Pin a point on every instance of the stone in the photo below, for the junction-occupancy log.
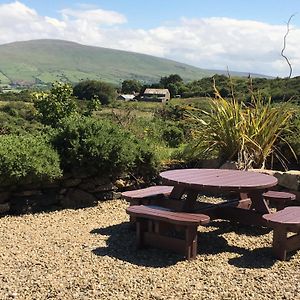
(104, 195)
(4, 196)
(71, 182)
(76, 198)
(230, 165)
(27, 193)
(104, 188)
(289, 180)
(4, 207)
(67, 175)
(31, 186)
(63, 191)
(21, 205)
(102, 180)
(87, 185)
(264, 171)
(34, 203)
(211, 163)
(48, 199)
(117, 195)
(50, 184)
(120, 183)
(293, 172)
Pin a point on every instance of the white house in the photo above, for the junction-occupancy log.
(157, 95)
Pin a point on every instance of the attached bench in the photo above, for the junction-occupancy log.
(279, 199)
(283, 222)
(163, 229)
(144, 196)
(153, 195)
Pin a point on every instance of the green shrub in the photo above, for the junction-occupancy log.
(27, 157)
(90, 89)
(56, 105)
(173, 136)
(100, 146)
(18, 125)
(19, 109)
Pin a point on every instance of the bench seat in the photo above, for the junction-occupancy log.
(283, 222)
(162, 228)
(279, 199)
(144, 196)
(153, 195)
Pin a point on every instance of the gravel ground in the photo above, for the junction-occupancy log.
(90, 254)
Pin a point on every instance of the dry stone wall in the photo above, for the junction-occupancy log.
(72, 191)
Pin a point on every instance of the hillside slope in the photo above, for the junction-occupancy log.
(44, 61)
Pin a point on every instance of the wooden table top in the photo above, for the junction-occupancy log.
(212, 179)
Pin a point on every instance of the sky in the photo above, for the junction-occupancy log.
(221, 34)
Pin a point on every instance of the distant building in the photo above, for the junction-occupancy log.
(156, 95)
(126, 97)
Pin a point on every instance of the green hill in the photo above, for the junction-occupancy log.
(44, 61)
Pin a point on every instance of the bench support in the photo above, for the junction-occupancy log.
(282, 244)
(176, 231)
(152, 233)
(283, 222)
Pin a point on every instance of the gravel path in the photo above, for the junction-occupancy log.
(90, 254)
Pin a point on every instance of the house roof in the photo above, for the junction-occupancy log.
(127, 96)
(156, 91)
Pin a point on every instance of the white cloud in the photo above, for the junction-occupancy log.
(215, 43)
(94, 16)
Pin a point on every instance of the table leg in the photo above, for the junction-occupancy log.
(191, 197)
(259, 204)
(177, 192)
(189, 203)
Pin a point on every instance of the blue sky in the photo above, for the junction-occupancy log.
(238, 35)
(145, 14)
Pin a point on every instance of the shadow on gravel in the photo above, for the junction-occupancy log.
(121, 245)
(260, 258)
(226, 226)
(212, 243)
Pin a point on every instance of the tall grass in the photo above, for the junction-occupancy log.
(245, 132)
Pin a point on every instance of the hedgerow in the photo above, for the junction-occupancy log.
(100, 146)
(27, 157)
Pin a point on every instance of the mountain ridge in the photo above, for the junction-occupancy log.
(43, 61)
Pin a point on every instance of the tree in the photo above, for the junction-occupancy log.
(173, 89)
(173, 78)
(89, 89)
(56, 105)
(172, 82)
(130, 86)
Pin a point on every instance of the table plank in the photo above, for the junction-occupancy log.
(218, 179)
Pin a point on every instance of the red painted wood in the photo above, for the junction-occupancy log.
(151, 191)
(289, 216)
(275, 195)
(180, 218)
(214, 179)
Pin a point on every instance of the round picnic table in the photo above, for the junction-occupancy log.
(219, 179)
(249, 184)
